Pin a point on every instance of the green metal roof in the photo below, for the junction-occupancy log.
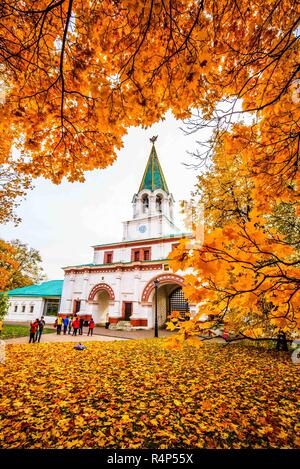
(51, 288)
(153, 177)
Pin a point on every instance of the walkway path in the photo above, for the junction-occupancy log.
(138, 334)
(106, 334)
(100, 334)
(51, 338)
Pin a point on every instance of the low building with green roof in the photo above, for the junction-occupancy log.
(34, 301)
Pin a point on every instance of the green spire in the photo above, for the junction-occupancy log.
(153, 177)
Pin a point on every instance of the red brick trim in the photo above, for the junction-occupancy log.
(139, 322)
(101, 287)
(163, 280)
(114, 320)
(117, 268)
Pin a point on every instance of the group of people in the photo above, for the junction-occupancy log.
(69, 325)
(36, 330)
(73, 325)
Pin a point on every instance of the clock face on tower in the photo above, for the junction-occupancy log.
(142, 228)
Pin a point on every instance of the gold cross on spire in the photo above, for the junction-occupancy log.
(153, 139)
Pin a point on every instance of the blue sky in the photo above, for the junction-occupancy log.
(64, 221)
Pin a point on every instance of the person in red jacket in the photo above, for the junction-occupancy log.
(76, 324)
(33, 328)
(91, 326)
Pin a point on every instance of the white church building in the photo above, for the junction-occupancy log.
(119, 283)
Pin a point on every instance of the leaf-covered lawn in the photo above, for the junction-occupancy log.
(11, 331)
(136, 394)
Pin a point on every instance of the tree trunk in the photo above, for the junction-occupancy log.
(282, 342)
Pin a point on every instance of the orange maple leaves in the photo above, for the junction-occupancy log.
(8, 264)
(247, 271)
(78, 74)
(136, 394)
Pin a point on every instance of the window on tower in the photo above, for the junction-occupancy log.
(143, 254)
(108, 257)
(146, 255)
(145, 201)
(159, 203)
(76, 306)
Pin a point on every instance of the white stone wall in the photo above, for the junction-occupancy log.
(24, 302)
(154, 227)
(159, 250)
(26, 316)
(127, 286)
(166, 205)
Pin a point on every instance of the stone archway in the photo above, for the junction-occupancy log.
(101, 287)
(101, 306)
(163, 279)
(167, 284)
(101, 300)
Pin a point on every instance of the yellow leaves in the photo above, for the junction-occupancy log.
(154, 422)
(122, 70)
(17, 404)
(54, 433)
(194, 341)
(206, 406)
(254, 333)
(247, 268)
(126, 419)
(280, 322)
(188, 401)
(173, 343)
(267, 430)
(171, 326)
(76, 443)
(64, 424)
(79, 421)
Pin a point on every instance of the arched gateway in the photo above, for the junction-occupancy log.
(163, 279)
(101, 299)
(100, 287)
(170, 297)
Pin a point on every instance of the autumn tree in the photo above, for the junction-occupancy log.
(19, 265)
(13, 188)
(77, 74)
(8, 265)
(4, 305)
(247, 272)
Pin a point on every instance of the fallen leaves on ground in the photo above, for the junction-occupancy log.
(138, 394)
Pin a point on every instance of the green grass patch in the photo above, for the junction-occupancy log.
(12, 331)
